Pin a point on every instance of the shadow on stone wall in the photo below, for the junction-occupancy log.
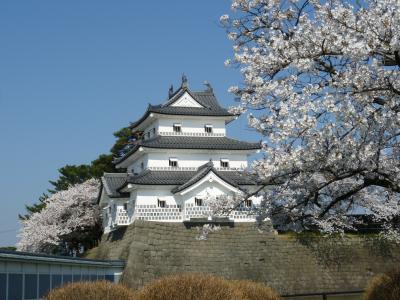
(289, 263)
(337, 250)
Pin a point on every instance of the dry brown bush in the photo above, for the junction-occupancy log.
(190, 286)
(384, 287)
(255, 291)
(91, 290)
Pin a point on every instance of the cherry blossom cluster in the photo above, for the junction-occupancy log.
(321, 83)
(66, 212)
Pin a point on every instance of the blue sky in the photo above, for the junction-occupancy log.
(73, 72)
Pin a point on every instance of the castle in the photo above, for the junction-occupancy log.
(181, 158)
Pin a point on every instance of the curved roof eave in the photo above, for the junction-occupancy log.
(174, 145)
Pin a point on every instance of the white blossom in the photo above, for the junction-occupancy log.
(321, 83)
(68, 211)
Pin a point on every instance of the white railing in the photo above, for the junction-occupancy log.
(193, 211)
(229, 169)
(172, 168)
(243, 213)
(182, 133)
(190, 169)
(239, 214)
(172, 213)
(121, 217)
(154, 213)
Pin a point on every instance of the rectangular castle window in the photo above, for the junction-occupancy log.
(208, 128)
(248, 203)
(198, 201)
(161, 203)
(177, 127)
(125, 206)
(173, 162)
(224, 163)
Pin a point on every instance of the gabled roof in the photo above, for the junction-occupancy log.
(111, 182)
(205, 98)
(183, 179)
(191, 142)
(201, 173)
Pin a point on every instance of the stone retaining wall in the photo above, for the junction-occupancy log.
(288, 263)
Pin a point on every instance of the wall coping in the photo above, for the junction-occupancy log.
(40, 257)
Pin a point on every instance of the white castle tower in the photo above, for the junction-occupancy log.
(182, 158)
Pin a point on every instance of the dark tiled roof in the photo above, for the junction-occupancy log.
(190, 142)
(191, 111)
(205, 98)
(201, 173)
(111, 182)
(180, 178)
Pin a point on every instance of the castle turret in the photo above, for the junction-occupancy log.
(182, 158)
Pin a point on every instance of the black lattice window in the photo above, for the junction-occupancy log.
(224, 163)
(173, 162)
(208, 128)
(177, 127)
(248, 203)
(161, 203)
(198, 201)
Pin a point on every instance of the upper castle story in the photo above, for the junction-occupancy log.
(183, 133)
(185, 113)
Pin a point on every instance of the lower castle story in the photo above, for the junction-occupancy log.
(123, 200)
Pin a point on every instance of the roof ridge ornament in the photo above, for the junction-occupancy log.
(209, 87)
(170, 91)
(210, 163)
(184, 81)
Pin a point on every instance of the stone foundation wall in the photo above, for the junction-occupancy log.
(288, 263)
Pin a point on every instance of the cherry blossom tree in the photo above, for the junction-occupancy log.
(321, 83)
(69, 219)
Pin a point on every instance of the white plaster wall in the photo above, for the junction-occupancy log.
(195, 159)
(192, 125)
(205, 190)
(149, 128)
(136, 166)
(186, 101)
(149, 196)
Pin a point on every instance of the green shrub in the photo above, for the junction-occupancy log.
(197, 286)
(254, 290)
(91, 290)
(384, 287)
